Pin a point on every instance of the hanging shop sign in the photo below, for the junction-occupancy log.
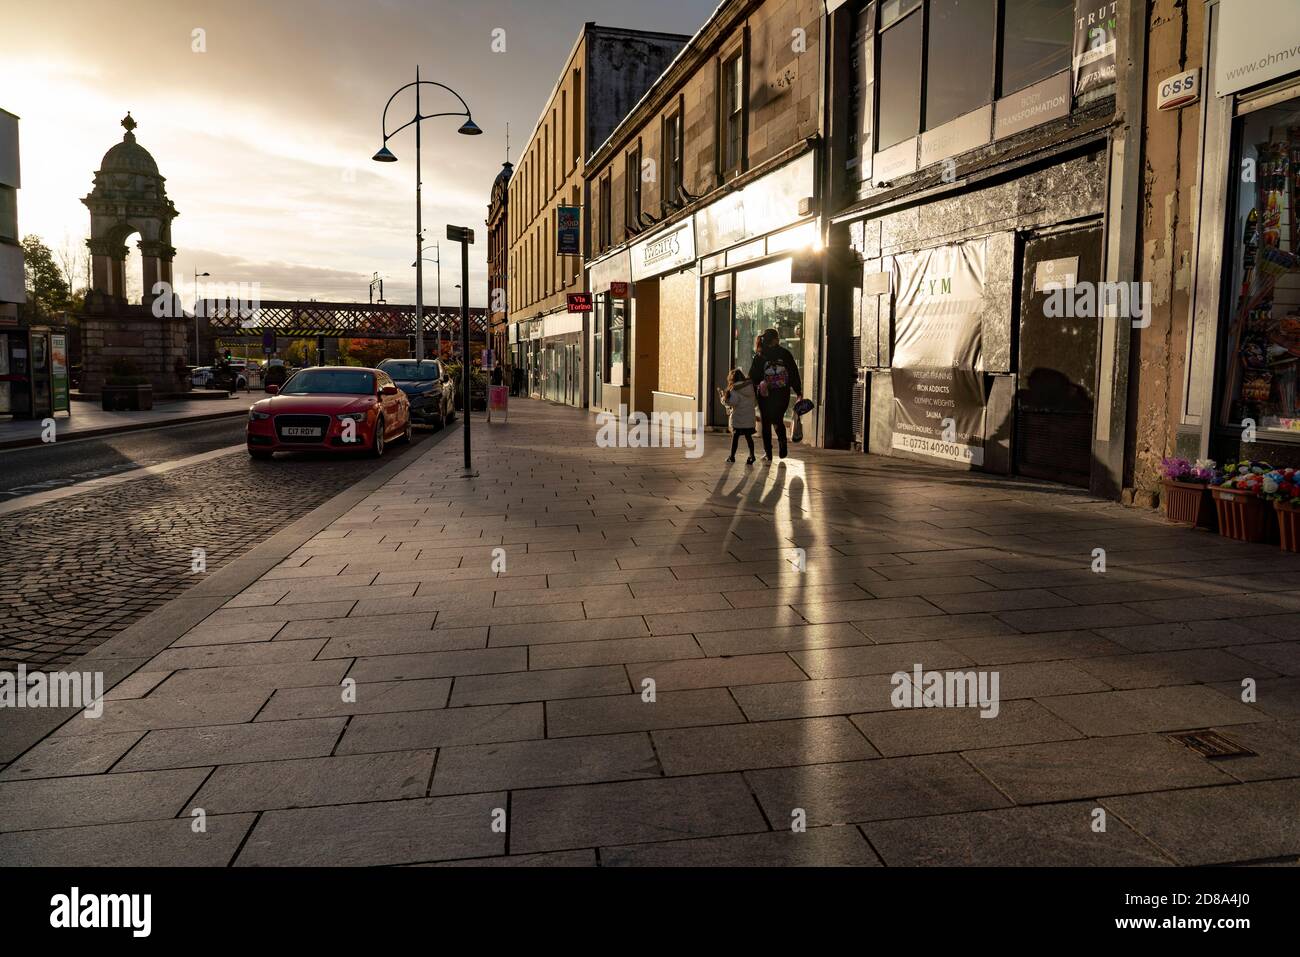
(618, 290)
(1259, 40)
(937, 370)
(568, 238)
(1178, 91)
(579, 301)
(1094, 44)
(664, 252)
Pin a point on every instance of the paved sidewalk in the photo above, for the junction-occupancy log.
(386, 696)
(88, 419)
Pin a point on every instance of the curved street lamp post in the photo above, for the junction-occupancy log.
(468, 128)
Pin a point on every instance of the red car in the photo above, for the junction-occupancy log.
(330, 408)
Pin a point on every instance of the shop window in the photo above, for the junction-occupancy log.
(959, 58)
(1037, 36)
(1263, 328)
(672, 161)
(632, 187)
(892, 11)
(900, 78)
(606, 214)
(8, 213)
(862, 88)
(764, 298)
(615, 342)
(731, 113)
(577, 117)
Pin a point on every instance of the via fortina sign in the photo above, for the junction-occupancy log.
(665, 252)
(1259, 40)
(579, 301)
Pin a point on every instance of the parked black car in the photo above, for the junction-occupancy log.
(428, 387)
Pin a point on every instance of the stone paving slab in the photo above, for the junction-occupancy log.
(652, 680)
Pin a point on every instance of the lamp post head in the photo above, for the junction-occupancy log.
(384, 156)
(469, 128)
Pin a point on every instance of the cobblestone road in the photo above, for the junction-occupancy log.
(75, 572)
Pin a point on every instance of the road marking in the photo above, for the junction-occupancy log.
(90, 485)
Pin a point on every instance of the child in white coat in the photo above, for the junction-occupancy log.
(738, 397)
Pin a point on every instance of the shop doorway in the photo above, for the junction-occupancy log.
(1056, 390)
(720, 348)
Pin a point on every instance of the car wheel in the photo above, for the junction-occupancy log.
(377, 446)
(260, 454)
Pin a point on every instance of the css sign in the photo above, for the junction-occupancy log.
(1179, 90)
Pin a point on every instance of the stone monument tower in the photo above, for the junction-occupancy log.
(130, 197)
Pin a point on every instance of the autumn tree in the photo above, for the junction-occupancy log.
(48, 293)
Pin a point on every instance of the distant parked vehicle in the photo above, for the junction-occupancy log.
(205, 377)
(427, 386)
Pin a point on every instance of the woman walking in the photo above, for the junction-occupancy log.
(775, 375)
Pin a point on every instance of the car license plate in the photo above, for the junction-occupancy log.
(304, 431)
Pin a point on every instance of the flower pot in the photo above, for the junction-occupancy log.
(1288, 525)
(1244, 516)
(1189, 503)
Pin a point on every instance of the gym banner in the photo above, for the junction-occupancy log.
(1094, 44)
(937, 370)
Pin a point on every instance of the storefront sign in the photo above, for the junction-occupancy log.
(876, 283)
(1259, 40)
(937, 366)
(568, 239)
(59, 372)
(1044, 101)
(1094, 44)
(579, 301)
(664, 252)
(618, 290)
(1179, 90)
(764, 206)
(956, 136)
(1056, 273)
(893, 163)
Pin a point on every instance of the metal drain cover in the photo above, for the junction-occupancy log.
(1211, 744)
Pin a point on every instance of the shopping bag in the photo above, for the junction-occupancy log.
(796, 434)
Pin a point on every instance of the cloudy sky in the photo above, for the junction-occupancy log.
(265, 138)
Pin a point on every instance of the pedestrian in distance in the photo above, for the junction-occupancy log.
(738, 397)
(775, 375)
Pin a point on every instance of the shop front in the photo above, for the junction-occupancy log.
(1243, 357)
(549, 350)
(756, 245)
(977, 189)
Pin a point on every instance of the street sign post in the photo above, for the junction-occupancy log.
(465, 236)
